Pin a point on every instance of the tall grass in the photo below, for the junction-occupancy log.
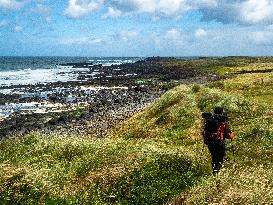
(247, 177)
(154, 157)
(46, 169)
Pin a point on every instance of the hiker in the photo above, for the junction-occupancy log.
(215, 132)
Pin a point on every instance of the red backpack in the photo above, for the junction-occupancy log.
(216, 128)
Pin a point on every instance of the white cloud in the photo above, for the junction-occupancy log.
(3, 23)
(172, 7)
(41, 9)
(161, 7)
(18, 29)
(127, 35)
(167, 43)
(226, 11)
(173, 34)
(10, 4)
(218, 41)
(168, 8)
(256, 11)
(112, 13)
(78, 8)
(264, 37)
(200, 33)
(48, 19)
(173, 38)
(80, 40)
(244, 40)
(134, 5)
(204, 3)
(95, 41)
(270, 27)
(243, 11)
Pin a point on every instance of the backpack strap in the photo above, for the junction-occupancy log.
(221, 131)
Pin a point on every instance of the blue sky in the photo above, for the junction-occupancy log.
(136, 27)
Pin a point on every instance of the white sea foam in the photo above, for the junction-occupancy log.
(28, 76)
(96, 88)
(44, 107)
(6, 91)
(107, 62)
(26, 108)
(54, 73)
(16, 71)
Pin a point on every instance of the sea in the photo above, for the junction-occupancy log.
(32, 70)
(16, 71)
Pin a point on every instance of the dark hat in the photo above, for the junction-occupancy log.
(218, 110)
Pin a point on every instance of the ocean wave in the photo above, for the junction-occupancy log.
(33, 70)
(23, 77)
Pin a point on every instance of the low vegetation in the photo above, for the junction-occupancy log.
(157, 156)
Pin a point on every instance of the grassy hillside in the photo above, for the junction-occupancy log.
(248, 180)
(155, 157)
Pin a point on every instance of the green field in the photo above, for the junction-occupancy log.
(157, 156)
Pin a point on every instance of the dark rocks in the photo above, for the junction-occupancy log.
(158, 58)
(111, 94)
(254, 71)
(78, 65)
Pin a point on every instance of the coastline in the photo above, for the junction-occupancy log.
(94, 154)
(91, 104)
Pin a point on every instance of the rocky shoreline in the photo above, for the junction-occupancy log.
(99, 99)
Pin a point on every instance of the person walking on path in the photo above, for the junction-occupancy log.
(215, 132)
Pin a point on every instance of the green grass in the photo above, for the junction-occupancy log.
(248, 180)
(156, 156)
(222, 66)
(39, 169)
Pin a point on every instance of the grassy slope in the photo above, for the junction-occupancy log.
(146, 165)
(249, 179)
(154, 156)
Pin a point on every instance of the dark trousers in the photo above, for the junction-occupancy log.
(217, 151)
